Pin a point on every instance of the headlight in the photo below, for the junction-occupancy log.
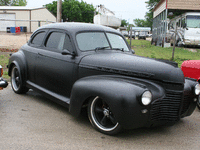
(197, 89)
(146, 98)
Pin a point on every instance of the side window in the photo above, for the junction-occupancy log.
(38, 39)
(56, 41)
(68, 44)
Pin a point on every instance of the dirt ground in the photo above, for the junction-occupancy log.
(13, 41)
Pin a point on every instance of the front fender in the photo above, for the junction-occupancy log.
(123, 97)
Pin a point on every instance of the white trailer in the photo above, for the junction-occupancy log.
(186, 23)
(106, 17)
(188, 29)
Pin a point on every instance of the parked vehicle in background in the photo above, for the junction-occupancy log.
(191, 69)
(83, 65)
(142, 35)
(188, 29)
(125, 33)
(3, 83)
(131, 36)
(149, 35)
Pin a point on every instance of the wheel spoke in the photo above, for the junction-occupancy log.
(104, 121)
(17, 79)
(16, 73)
(101, 117)
(112, 119)
(98, 110)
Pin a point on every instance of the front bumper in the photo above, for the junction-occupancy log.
(174, 106)
(3, 83)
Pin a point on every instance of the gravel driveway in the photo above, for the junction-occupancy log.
(13, 41)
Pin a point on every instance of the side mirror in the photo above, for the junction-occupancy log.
(66, 52)
(133, 52)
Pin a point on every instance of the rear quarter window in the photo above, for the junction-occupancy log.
(38, 39)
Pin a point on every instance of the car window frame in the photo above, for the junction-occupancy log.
(129, 49)
(106, 38)
(34, 35)
(53, 49)
(86, 32)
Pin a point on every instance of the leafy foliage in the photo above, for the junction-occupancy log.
(148, 21)
(73, 10)
(124, 23)
(140, 22)
(149, 15)
(129, 27)
(13, 2)
(151, 4)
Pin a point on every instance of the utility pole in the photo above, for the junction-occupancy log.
(131, 27)
(174, 43)
(59, 10)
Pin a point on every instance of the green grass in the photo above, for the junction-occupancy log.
(144, 48)
(4, 62)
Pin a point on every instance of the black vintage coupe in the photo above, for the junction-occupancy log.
(85, 65)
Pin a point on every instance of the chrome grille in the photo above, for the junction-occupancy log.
(186, 103)
(167, 109)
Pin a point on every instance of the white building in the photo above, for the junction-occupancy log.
(31, 18)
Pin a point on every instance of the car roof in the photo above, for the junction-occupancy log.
(75, 27)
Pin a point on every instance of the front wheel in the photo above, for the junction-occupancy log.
(102, 118)
(16, 81)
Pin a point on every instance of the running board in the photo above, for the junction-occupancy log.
(49, 94)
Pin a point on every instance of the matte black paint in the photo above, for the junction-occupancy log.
(117, 77)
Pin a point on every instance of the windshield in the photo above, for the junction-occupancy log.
(193, 21)
(98, 40)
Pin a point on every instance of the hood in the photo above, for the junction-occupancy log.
(131, 65)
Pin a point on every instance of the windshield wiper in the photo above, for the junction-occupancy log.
(99, 48)
(121, 49)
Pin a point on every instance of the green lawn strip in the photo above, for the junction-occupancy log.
(144, 48)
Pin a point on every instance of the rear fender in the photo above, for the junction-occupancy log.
(18, 59)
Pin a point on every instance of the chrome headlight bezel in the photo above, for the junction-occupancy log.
(197, 89)
(146, 98)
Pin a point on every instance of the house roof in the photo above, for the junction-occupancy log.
(18, 8)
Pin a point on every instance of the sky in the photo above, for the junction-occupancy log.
(123, 9)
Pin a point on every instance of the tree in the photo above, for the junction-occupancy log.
(140, 22)
(73, 10)
(149, 15)
(148, 21)
(13, 2)
(129, 27)
(124, 23)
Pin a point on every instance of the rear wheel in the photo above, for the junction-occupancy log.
(16, 81)
(102, 118)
